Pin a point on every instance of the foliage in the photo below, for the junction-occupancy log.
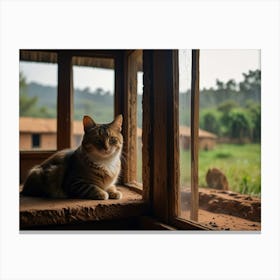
(239, 124)
(255, 114)
(240, 163)
(233, 110)
(29, 104)
(40, 101)
(210, 121)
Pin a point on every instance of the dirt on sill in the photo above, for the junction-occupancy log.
(224, 210)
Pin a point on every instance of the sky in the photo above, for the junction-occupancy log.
(214, 64)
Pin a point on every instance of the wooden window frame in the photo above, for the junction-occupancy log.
(64, 58)
(160, 149)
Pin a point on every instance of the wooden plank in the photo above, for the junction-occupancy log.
(130, 112)
(36, 55)
(119, 84)
(147, 136)
(64, 100)
(194, 134)
(188, 225)
(119, 101)
(126, 104)
(161, 63)
(36, 211)
(148, 223)
(173, 142)
(164, 102)
(165, 134)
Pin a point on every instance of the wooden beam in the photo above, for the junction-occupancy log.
(161, 63)
(119, 84)
(64, 100)
(148, 223)
(194, 134)
(119, 101)
(188, 225)
(173, 142)
(130, 110)
(147, 136)
(126, 104)
(164, 133)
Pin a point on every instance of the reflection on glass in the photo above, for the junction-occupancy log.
(139, 114)
(184, 130)
(37, 105)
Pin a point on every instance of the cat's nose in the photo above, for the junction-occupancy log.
(106, 146)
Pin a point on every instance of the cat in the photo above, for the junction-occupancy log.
(216, 179)
(89, 172)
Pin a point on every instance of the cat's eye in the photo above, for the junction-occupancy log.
(99, 142)
(113, 140)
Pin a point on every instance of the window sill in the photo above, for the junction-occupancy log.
(38, 212)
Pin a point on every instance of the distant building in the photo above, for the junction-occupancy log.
(39, 133)
(207, 140)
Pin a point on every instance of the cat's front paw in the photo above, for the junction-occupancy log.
(101, 195)
(104, 196)
(115, 195)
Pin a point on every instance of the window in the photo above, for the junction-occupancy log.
(224, 160)
(133, 153)
(139, 115)
(229, 142)
(36, 140)
(185, 62)
(38, 104)
(88, 84)
(167, 111)
(123, 83)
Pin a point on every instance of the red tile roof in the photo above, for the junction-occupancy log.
(186, 131)
(40, 125)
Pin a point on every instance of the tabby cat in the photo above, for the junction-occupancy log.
(88, 172)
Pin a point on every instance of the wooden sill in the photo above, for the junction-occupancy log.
(44, 212)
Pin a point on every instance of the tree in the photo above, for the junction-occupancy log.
(240, 125)
(227, 106)
(26, 103)
(231, 85)
(28, 106)
(251, 85)
(254, 110)
(210, 121)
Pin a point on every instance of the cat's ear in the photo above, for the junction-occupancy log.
(88, 123)
(117, 123)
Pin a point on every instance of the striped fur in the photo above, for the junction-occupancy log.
(89, 172)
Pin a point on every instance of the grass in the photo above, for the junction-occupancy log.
(240, 163)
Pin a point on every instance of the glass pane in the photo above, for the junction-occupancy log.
(38, 103)
(229, 139)
(185, 61)
(93, 93)
(139, 114)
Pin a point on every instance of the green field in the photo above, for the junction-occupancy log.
(240, 163)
